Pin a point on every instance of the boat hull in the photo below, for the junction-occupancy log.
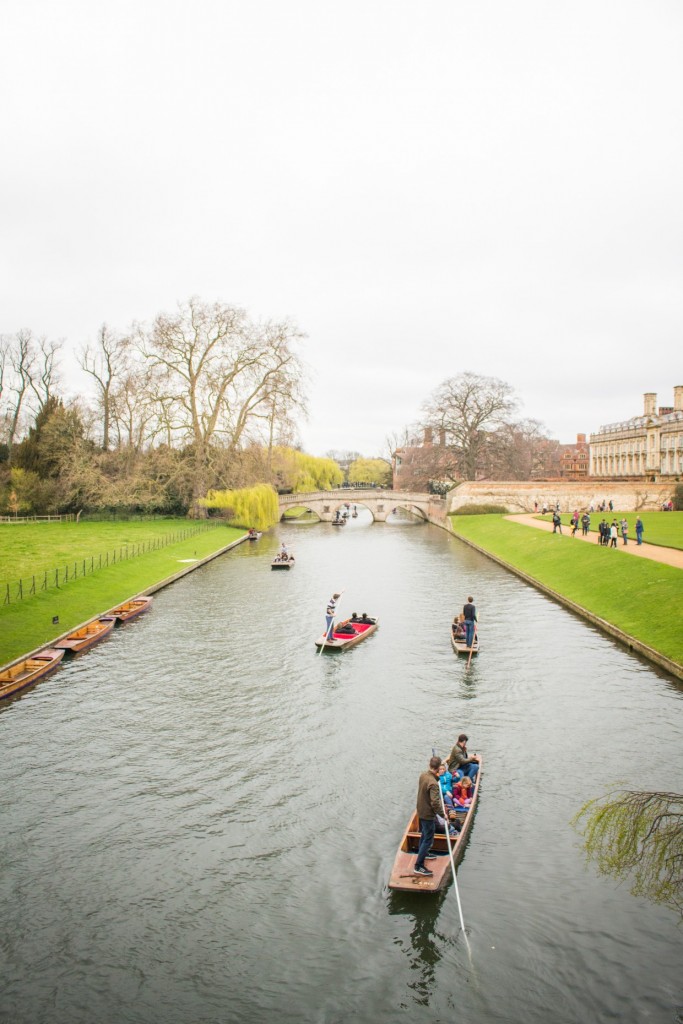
(86, 637)
(402, 876)
(341, 641)
(460, 647)
(282, 565)
(131, 609)
(29, 671)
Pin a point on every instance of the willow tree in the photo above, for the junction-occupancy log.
(370, 471)
(638, 835)
(249, 506)
(220, 376)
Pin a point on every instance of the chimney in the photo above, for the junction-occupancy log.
(678, 398)
(442, 436)
(580, 438)
(650, 400)
(429, 433)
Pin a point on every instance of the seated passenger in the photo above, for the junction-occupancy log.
(346, 628)
(354, 617)
(445, 779)
(462, 792)
(365, 618)
(454, 824)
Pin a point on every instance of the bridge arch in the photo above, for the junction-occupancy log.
(380, 503)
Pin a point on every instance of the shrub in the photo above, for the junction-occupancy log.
(481, 510)
(678, 498)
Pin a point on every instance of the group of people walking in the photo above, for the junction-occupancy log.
(608, 533)
(442, 790)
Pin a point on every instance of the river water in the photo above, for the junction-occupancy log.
(199, 817)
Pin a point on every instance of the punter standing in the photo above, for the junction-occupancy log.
(470, 613)
(329, 615)
(428, 806)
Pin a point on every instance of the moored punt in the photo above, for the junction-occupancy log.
(339, 522)
(253, 535)
(282, 563)
(87, 636)
(29, 671)
(402, 875)
(341, 640)
(460, 645)
(131, 609)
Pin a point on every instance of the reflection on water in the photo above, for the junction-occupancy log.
(200, 816)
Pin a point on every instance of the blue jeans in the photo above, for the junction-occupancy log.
(470, 770)
(427, 828)
(329, 619)
(469, 632)
(639, 536)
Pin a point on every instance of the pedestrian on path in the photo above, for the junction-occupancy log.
(639, 530)
(557, 523)
(624, 531)
(613, 534)
(585, 524)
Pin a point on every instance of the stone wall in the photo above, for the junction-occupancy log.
(519, 496)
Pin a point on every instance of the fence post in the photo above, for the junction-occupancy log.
(21, 590)
(33, 586)
(8, 599)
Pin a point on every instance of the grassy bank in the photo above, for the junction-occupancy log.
(25, 625)
(663, 528)
(640, 597)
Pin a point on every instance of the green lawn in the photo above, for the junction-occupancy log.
(663, 528)
(641, 597)
(32, 548)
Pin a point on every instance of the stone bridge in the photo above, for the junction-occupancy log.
(380, 503)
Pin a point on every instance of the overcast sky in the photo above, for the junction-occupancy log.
(425, 188)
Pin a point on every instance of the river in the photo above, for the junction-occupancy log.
(199, 816)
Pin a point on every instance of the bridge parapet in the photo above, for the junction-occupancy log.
(379, 502)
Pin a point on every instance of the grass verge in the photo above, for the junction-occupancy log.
(640, 597)
(27, 624)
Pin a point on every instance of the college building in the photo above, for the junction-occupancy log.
(650, 445)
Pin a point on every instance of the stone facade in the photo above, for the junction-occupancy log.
(649, 446)
(515, 496)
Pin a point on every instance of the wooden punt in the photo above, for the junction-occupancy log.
(253, 536)
(282, 563)
(340, 641)
(460, 647)
(87, 636)
(339, 522)
(402, 877)
(131, 609)
(29, 671)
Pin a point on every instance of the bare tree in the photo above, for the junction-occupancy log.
(463, 411)
(45, 377)
(514, 450)
(218, 375)
(22, 358)
(134, 408)
(105, 363)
